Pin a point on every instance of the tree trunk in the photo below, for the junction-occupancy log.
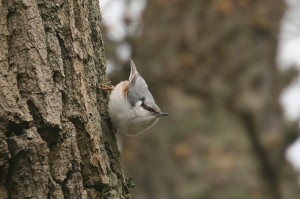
(56, 140)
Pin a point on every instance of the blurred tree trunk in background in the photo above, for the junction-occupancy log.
(55, 141)
(230, 142)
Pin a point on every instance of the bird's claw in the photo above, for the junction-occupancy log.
(106, 87)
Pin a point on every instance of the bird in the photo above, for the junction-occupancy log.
(131, 106)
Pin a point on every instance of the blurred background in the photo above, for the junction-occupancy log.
(227, 72)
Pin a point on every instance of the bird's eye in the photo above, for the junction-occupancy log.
(148, 108)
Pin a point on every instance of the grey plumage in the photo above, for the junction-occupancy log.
(138, 89)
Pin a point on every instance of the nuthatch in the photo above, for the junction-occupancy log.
(131, 105)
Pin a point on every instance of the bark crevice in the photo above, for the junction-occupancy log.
(50, 133)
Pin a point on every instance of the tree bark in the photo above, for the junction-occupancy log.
(56, 139)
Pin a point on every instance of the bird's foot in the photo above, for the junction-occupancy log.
(107, 87)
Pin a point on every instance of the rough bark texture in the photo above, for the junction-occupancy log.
(56, 140)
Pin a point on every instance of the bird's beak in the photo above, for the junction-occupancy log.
(162, 114)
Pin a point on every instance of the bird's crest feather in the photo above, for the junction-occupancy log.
(134, 74)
